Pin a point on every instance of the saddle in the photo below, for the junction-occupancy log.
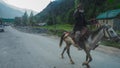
(82, 35)
(78, 35)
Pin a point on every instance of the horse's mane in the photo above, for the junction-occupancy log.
(96, 31)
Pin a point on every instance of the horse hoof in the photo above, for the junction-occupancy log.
(85, 63)
(72, 62)
(62, 57)
(59, 46)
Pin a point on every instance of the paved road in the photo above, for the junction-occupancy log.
(23, 50)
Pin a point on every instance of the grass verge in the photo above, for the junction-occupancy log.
(111, 43)
(58, 29)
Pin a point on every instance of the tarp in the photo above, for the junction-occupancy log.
(109, 14)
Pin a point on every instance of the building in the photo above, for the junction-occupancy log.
(7, 20)
(111, 17)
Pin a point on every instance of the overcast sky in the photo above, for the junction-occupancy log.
(36, 5)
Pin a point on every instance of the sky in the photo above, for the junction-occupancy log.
(36, 5)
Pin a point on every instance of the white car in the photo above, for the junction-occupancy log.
(1, 28)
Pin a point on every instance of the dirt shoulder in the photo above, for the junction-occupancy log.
(109, 50)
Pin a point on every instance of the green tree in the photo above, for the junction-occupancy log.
(50, 21)
(18, 21)
(69, 16)
(31, 19)
(25, 20)
(77, 2)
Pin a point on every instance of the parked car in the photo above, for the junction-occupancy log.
(1, 28)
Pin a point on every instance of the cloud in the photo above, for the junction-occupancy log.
(36, 5)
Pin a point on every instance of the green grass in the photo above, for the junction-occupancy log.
(118, 32)
(111, 44)
(57, 29)
(66, 27)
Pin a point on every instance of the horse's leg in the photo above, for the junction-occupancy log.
(86, 57)
(68, 52)
(89, 59)
(63, 52)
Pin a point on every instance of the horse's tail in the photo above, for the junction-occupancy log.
(61, 39)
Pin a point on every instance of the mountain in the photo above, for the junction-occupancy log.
(9, 11)
(61, 11)
(57, 9)
(23, 9)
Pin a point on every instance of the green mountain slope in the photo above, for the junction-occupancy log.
(61, 11)
(57, 11)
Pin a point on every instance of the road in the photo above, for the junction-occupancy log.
(23, 50)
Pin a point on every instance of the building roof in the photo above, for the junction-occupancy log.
(109, 14)
(7, 20)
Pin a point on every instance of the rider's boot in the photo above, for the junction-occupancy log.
(76, 39)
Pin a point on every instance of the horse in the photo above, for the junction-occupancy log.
(88, 44)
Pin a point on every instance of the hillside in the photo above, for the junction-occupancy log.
(57, 9)
(61, 11)
(9, 11)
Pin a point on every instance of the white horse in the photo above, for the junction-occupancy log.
(88, 44)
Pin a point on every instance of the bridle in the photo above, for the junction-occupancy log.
(108, 29)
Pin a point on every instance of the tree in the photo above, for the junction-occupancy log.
(18, 21)
(25, 20)
(31, 19)
(50, 20)
(76, 3)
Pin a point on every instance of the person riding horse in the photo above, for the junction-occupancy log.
(80, 22)
(80, 26)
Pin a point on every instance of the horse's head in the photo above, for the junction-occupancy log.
(110, 32)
